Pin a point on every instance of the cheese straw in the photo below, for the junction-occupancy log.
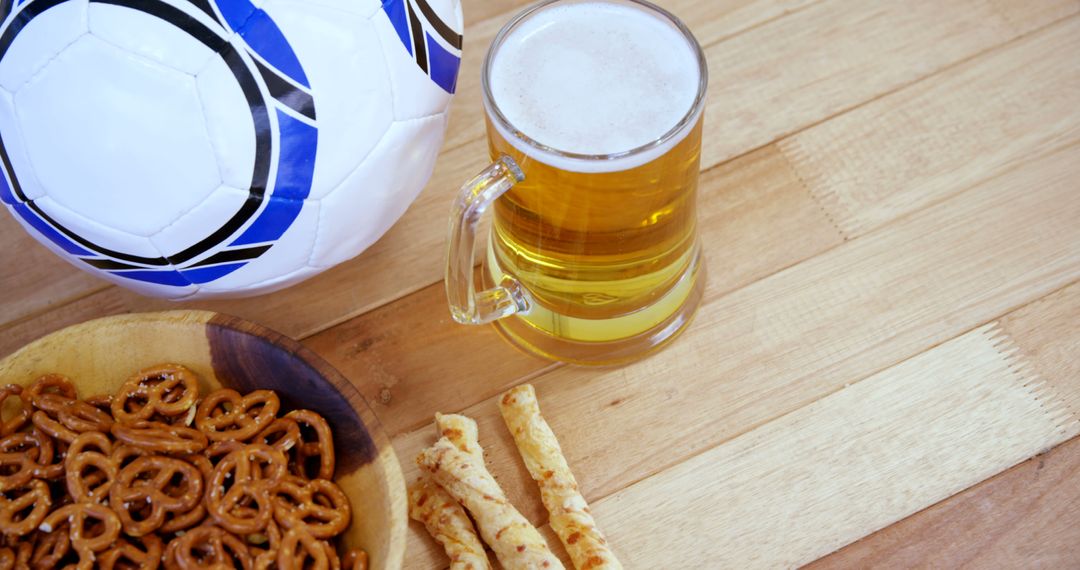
(516, 543)
(569, 514)
(448, 524)
(462, 432)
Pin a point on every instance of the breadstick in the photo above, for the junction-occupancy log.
(568, 512)
(448, 524)
(462, 432)
(516, 543)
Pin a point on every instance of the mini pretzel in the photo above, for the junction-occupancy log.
(161, 437)
(318, 506)
(264, 553)
(93, 528)
(225, 414)
(282, 434)
(24, 456)
(301, 550)
(7, 558)
(209, 546)
(355, 559)
(50, 384)
(50, 548)
(167, 389)
(144, 553)
(14, 518)
(80, 417)
(322, 447)
(90, 450)
(150, 482)
(238, 497)
(52, 428)
(21, 417)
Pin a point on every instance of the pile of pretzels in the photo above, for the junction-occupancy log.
(155, 476)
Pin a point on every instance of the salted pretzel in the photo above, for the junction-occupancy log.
(210, 546)
(52, 427)
(7, 558)
(157, 486)
(301, 550)
(50, 548)
(144, 553)
(168, 390)
(81, 417)
(318, 506)
(21, 417)
(239, 494)
(225, 414)
(90, 470)
(265, 550)
(355, 559)
(93, 528)
(283, 434)
(23, 509)
(56, 385)
(25, 456)
(321, 447)
(161, 437)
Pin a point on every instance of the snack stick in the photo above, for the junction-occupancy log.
(462, 432)
(448, 524)
(517, 544)
(569, 514)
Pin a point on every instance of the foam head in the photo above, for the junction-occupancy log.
(595, 78)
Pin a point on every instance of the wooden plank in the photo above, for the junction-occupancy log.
(755, 98)
(867, 170)
(1028, 516)
(854, 461)
(785, 341)
(397, 354)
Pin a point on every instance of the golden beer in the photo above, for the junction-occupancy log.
(594, 238)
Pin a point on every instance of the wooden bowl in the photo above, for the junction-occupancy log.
(225, 351)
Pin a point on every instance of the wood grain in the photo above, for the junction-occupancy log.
(856, 460)
(1028, 516)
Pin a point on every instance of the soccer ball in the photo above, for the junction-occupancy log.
(205, 148)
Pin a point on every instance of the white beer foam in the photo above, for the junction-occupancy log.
(595, 78)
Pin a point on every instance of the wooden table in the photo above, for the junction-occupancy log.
(890, 209)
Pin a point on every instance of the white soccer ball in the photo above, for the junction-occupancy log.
(198, 148)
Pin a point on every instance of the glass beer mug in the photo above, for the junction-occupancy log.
(594, 113)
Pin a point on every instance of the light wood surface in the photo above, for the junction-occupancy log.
(890, 209)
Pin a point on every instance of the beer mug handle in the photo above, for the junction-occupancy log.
(468, 305)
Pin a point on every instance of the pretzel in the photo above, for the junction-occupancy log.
(80, 484)
(225, 414)
(241, 479)
(570, 517)
(322, 447)
(143, 553)
(24, 456)
(86, 539)
(447, 522)
(168, 390)
(150, 482)
(209, 546)
(7, 558)
(161, 437)
(50, 548)
(52, 428)
(355, 559)
(282, 434)
(264, 547)
(49, 384)
(317, 506)
(23, 509)
(80, 417)
(20, 418)
(517, 544)
(301, 550)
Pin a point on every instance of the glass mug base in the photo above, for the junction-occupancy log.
(613, 341)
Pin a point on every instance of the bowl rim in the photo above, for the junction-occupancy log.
(387, 458)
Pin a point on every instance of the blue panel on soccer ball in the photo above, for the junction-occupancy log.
(31, 217)
(171, 278)
(444, 65)
(296, 163)
(208, 274)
